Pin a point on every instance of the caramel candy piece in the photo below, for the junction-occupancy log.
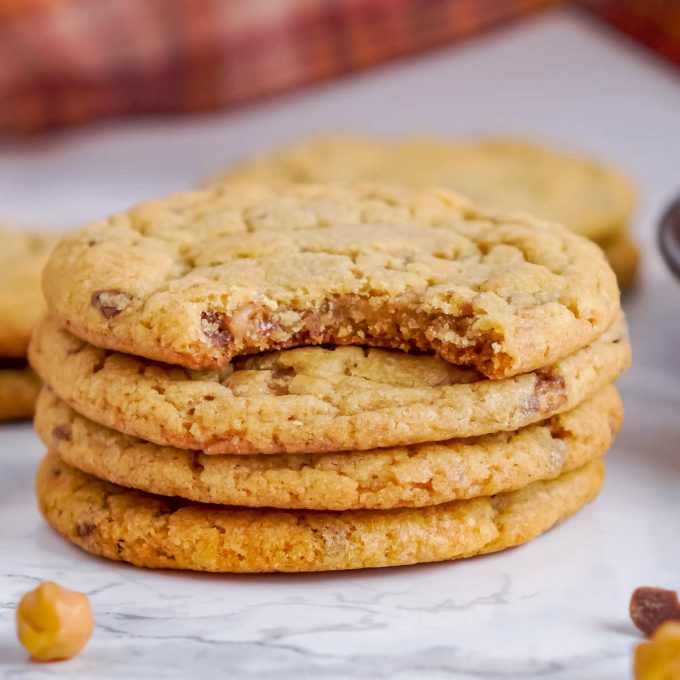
(650, 607)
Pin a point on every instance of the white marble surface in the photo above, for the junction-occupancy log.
(554, 609)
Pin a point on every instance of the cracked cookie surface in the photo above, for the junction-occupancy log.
(198, 278)
(152, 531)
(414, 476)
(313, 399)
(592, 199)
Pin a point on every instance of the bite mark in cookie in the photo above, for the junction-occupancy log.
(203, 277)
(313, 399)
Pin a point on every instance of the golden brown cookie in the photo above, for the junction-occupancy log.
(592, 199)
(22, 257)
(624, 257)
(19, 387)
(414, 476)
(312, 399)
(157, 532)
(198, 278)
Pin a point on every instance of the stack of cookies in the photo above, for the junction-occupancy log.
(593, 199)
(317, 377)
(22, 257)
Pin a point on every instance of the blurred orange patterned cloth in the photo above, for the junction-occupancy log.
(64, 62)
(654, 23)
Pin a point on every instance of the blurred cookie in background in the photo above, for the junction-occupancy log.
(623, 256)
(19, 388)
(593, 199)
(22, 257)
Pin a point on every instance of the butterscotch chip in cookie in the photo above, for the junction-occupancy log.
(313, 399)
(151, 531)
(199, 278)
(413, 476)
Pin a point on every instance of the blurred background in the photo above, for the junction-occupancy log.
(68, 62)
(104, 103)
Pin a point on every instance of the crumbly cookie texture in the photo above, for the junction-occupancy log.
(415, 476)
(151, 531)
(313, 399)
(198, 278)
(22, 257)
(19, 388)
(592, 199)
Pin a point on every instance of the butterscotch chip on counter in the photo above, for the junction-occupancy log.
(19, 388)
(152, 531)
(199, 278)
(659, 657)
(54, 623)
(414, 476)
(314, 399)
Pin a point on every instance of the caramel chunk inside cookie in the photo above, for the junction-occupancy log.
(314, 399)
(199, 278)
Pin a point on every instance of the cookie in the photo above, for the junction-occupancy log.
(415, 476)
(22, 257)
(152, 531)
(592, 199)
(199, 278)
(313, 399)
(624, 257)
(19, 387)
